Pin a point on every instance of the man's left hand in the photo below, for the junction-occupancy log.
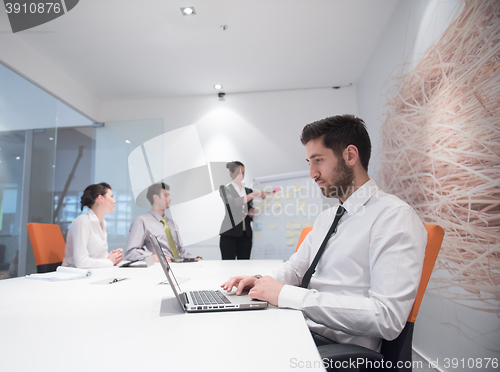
(266, 289)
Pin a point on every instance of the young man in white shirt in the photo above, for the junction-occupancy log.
(366, 280)
(157, 223)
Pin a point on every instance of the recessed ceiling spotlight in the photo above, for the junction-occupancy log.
(18, 157)
(51, 138)
(218, 86)
(189, 10)
(127, 141)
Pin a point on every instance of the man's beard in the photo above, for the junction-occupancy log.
(340, 183)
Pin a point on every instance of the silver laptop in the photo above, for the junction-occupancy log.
(202, 301)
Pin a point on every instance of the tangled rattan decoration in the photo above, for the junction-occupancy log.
(441, 152)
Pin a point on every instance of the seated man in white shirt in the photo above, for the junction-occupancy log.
(366, 280)
(157, 223)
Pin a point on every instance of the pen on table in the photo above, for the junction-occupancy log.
(116, 280)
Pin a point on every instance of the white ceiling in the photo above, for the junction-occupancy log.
(131, 49)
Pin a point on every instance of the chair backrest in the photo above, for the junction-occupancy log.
(400, 349)
(303, 234)
(435, 235)
(48, 245)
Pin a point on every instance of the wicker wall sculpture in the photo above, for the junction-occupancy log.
(441, 152)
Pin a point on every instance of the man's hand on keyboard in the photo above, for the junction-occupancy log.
(266, 289)
(242, 283)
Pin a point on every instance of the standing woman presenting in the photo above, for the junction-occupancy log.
(236, 231)
(86, 243)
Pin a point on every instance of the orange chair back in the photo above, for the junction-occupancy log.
(435, 234)
(47, 242)
(303, 234)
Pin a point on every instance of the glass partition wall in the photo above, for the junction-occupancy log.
(49, 154)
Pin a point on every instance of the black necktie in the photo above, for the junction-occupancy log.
(307, 277)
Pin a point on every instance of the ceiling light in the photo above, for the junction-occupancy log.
(51, 138)
(218, 86)
(18, 157)
(189, 10)
(127, 141)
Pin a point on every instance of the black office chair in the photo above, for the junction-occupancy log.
(395, 355)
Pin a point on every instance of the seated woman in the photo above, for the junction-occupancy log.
(86, 243)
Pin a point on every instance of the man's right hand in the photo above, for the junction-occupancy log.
(155, 258)
(242, 283)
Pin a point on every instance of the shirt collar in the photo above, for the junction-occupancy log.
(156, 215)
(93, 217)
(236, 187)
(360, 197)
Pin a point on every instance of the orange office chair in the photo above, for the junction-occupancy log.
(48, 245)
(303, 234)
(400, 349)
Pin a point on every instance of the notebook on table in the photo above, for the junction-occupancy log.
(205, 300)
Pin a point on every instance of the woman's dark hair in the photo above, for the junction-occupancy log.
(92, 192)
(338, 132)
(233, 165)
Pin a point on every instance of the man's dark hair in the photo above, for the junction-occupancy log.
(338, 132)
(155, 189)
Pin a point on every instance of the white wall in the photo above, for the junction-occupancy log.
(443, 329)
(27, 62)
(260, 129)
(413, 27)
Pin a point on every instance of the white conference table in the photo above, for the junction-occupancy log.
(137, 325)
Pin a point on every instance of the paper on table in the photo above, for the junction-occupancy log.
(62, 273)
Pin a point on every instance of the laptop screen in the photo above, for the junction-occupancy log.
(164, 264)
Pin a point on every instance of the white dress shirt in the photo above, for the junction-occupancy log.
(139, 245)
(87, 243)
(241, 192)
(367, 278)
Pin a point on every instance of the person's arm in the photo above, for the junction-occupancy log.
(135, 244)
(397, 247)
(290, 272)
(182, 251)
(239, 201)
(81, 238)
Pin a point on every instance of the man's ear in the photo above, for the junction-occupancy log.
(350, 155)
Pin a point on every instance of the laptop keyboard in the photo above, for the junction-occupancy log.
(209, 298)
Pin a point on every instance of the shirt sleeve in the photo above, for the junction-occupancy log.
(81, 237)
(135, 244)
(397, 248)
(182, 251)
